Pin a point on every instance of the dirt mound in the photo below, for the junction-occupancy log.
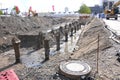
(20, 25)
(89, 38)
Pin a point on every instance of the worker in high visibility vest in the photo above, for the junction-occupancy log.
(17, 9)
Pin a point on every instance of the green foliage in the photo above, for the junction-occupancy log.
(84, 9)
(1, 13)
(14, 7)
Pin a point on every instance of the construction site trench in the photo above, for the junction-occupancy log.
(39, 44)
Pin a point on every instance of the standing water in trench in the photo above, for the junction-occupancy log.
(36, 58)
(67, 47)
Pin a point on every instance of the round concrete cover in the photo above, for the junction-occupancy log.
(74, 68)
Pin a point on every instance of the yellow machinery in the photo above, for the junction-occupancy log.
(33, 13)
(112, 13)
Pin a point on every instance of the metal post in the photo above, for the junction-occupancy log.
(75, 27)
(66, 26)
(71, 31)
(98, 55)
(79, 25)
(61, 30)
(66, 35)
(58, 41)
(40, 40)
(47, 49)
(16, 45)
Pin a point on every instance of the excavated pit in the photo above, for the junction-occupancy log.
(26, 28)
(31, 67)
(33, 59)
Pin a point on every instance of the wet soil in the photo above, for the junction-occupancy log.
(109, 67)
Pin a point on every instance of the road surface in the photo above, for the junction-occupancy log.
(114, 25)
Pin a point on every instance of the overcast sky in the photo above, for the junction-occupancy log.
(46, 5)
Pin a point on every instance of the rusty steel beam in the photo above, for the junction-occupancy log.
(47, 48)
(16, 46)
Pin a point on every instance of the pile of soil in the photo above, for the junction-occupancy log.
(88, 41)
(108, 65)
(21, 25)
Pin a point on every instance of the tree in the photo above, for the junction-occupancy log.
(84, 9)
(1, 13)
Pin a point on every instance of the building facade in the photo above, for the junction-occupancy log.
(96, 9)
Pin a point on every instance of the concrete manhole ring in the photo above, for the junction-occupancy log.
(74, 68)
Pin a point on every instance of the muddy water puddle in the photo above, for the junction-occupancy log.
(35, 58)
(67, 47)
